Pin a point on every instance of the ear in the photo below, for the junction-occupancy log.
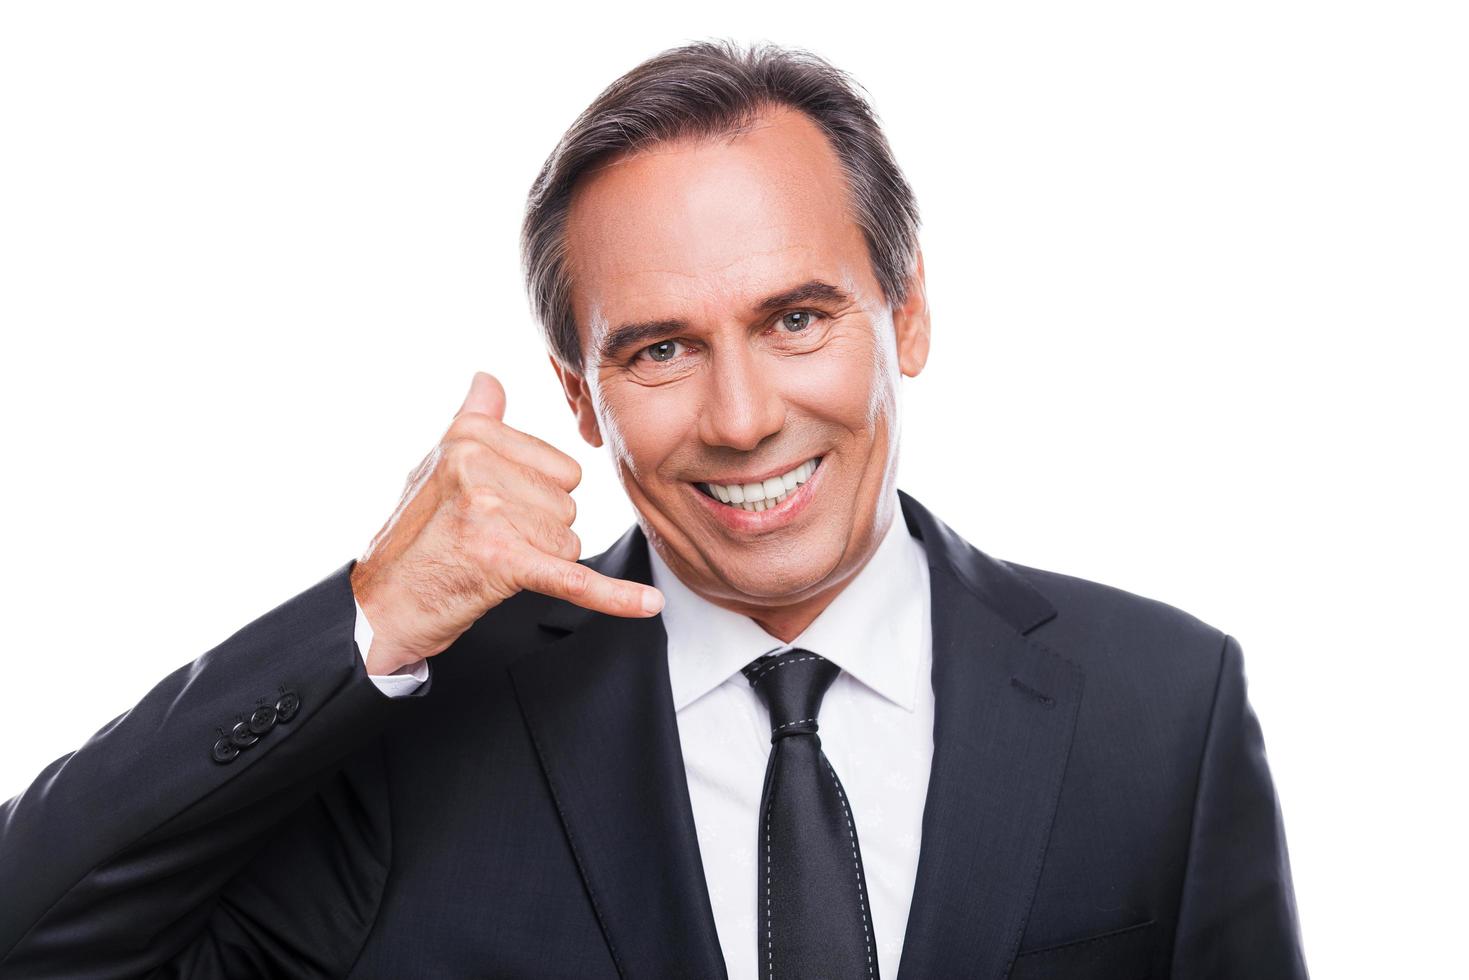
(579, 397)
(910, 321)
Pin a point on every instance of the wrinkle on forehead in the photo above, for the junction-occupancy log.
(687, 274)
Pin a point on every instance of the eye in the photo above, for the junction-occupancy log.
(798, 326)
(661, 351)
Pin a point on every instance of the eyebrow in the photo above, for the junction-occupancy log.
(628, 334)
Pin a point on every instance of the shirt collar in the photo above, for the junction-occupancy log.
(871, 630)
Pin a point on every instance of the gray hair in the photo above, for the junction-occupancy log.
(704, 90)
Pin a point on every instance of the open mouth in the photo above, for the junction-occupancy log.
(764, 495)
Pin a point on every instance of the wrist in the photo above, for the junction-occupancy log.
(383, 660)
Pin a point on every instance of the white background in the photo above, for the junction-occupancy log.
(1198, 280)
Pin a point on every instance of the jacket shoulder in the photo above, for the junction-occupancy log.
(1103, 626)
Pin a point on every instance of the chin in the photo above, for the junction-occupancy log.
(786, 575)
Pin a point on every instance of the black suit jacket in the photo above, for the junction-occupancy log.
(1099, 803)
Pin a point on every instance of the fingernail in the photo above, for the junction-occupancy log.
(652, 601)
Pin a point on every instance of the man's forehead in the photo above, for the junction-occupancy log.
(700, 206)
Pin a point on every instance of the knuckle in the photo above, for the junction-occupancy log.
(464, 458)
(575, 579)
(471, 425)
(479, 500)
(568, 545)
(460, 450)
(455, 447)
(558, 500)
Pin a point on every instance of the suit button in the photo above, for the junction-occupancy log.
(287, 706)
(224, 751)
(241, 736)
(262, 719)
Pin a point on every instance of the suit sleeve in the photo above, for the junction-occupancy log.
(135, 855)
(1237, 914)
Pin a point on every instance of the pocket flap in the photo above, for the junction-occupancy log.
(1118, 954)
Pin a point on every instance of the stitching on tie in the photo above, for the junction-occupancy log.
(780, 663)
(769, 944)
(861, 898)
(790, 723)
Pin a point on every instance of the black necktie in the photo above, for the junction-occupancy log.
(812, 913)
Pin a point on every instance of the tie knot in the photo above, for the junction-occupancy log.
(792, 685)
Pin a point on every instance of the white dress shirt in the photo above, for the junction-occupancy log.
(876, 727)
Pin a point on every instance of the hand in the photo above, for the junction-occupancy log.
(486, 514)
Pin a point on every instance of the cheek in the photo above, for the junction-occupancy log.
(642, 426)
(843, 382)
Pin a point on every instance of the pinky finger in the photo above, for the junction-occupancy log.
(586, 587)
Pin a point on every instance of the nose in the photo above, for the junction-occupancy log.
(741, 403)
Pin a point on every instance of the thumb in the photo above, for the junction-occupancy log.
(485, 395)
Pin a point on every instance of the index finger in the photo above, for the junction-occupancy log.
(589, 588)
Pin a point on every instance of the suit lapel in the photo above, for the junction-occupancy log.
(600, 711)
(1004, 713)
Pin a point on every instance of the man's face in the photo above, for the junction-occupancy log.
(732, 331)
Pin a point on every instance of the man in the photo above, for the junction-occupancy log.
(471, 753)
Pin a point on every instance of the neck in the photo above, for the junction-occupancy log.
(785, 623)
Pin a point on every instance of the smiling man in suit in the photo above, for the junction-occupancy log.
(790, 724)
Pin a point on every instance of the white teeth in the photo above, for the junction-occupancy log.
(763, 495)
